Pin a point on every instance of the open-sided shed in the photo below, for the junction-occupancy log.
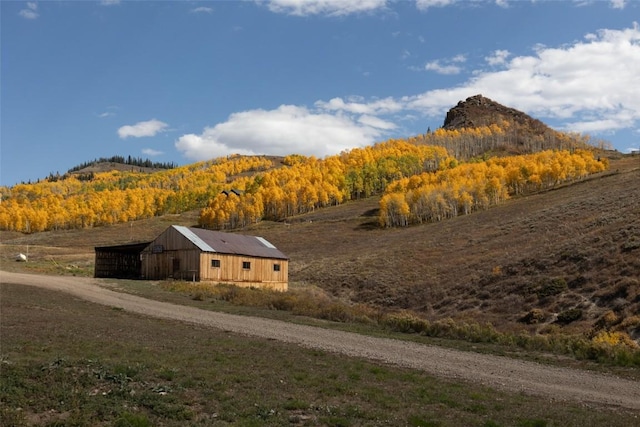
(120, 262)
(197, 254)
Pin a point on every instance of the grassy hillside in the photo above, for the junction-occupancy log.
(576, 247)
(565, 259)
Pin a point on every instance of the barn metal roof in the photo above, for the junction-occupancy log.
(230, 243)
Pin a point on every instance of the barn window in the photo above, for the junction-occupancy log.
(215, 263)
(276, 267)
(246, 265)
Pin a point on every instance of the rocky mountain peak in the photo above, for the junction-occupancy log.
(478, 111)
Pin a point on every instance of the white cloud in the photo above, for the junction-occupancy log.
(376, 122)
(590, 85)
(110, 111)
(324, 7)
(375, 107)
(140, 129)
(285, 130)
(497, 57)
(151, 152)
(618, 4)
(109, 2)
(426, 4)
(202, 9)
(446, 66)
(31, 12)
(594, 83)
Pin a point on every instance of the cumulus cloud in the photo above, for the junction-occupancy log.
(285, 130)
(442, 69)
(618, 4)
(324, 7)
(356, 106)
(110, 111)
(497, 57)
(588, 85)
(591, 85)
(426, 4)
(31, 11)
(140, 129)
(446, 66)
(151, 152)
(202, 9)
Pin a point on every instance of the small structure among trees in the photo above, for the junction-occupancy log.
(197, 254)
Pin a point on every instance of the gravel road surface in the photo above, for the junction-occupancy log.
(557, 384)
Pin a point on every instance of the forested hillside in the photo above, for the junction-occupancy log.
(263, 189)
(469, 187)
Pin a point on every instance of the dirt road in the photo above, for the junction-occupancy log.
(557, 384)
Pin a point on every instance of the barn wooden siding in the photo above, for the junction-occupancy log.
(171, 255)
(260, 273)
(174, 255)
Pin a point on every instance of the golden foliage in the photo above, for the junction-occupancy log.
(476, 186)
(115, 197)
(307, 183)
(422, 183)
(615, 339)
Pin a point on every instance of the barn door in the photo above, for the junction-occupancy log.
(176, 266)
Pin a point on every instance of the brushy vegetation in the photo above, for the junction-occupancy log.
(614, 348)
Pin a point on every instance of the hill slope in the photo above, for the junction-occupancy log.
(565, 257)
(575, 247)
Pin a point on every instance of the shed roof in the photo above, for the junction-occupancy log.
(131, 248)
(230, 243)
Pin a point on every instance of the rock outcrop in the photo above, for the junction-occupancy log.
(479, 111)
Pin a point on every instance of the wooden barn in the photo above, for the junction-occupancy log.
(197, 254)
(120, 262)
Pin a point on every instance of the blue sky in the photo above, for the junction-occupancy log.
(193, 80)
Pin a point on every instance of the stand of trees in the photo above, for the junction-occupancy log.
(309, 183)
(262, 190)
(510, 137)
(131, 161)
(469, 187)
(115, 196)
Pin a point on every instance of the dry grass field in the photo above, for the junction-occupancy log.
(574, 250)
